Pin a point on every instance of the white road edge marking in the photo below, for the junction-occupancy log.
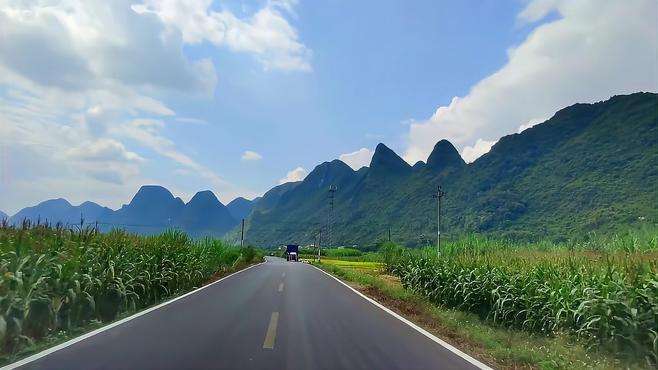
(56, 348)
(429, 335)
(280, 287)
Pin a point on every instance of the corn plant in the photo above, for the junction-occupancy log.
(606, 297)
(55, 279)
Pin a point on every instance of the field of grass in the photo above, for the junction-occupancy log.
(364, 266)
(342, 253)
(56, 282)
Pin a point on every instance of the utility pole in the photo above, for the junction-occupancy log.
(439, 194)
(242, 235)
(319, 247)
(330, 216)
(389, 234)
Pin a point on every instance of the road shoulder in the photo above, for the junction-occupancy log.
(373, 296)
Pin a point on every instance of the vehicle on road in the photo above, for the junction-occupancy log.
(292, 253)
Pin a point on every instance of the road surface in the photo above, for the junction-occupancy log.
(276, 315)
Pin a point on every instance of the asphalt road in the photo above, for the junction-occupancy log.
(276, 315)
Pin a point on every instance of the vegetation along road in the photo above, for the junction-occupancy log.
(270, 316)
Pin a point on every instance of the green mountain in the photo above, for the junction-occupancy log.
(591, 167)
(240, 207)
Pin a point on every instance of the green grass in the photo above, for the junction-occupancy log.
(342, 253)
(358, 265)
(56, 282)
(500, 346)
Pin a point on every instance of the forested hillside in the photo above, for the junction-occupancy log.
(589, 168)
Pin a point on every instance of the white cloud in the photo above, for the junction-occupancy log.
(250, 155)
(357, 159)
(266, 34)
(531, 123)
(585, 55)
(471, 153)
(298, 174)
(86, 44)
(82, 111)
(102, 150)
(147, 133)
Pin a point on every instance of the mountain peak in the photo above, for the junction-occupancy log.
(328, 173)
(418, 165)
(151, 193)
(386, 159)
(444, 155)
(239, 200)
(205, 196)
(240, 207)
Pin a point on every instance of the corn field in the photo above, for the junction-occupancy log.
(54, 279)
(608, 300)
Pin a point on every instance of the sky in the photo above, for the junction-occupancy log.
(98, 98)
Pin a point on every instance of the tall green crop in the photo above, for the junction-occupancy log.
(54, 279)
(608, 299)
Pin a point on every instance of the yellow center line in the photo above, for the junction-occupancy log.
(270, 336)
(281, 287)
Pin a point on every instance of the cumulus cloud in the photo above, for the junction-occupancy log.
(103, 150)
(298, 174)
(471, 153)
(250, 155)
(532, 122)
(83, 85)
(266, 34)
(357, 159)
(74, 44)
(585, 55)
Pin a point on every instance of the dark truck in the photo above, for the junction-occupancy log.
(292, 252)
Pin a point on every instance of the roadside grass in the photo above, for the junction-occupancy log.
(364, 266)
(495, 345)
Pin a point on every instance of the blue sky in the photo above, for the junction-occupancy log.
(368, 78)
(178, 92)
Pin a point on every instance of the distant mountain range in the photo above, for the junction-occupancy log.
(591, 167)
(3, 216)
(152, 210)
